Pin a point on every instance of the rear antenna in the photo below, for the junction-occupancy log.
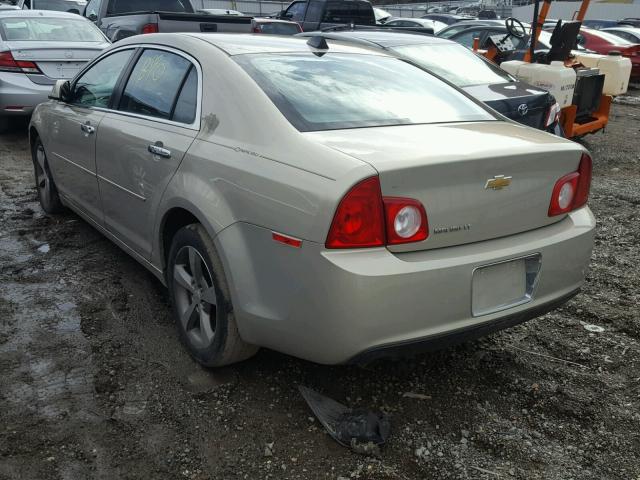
(318, 42)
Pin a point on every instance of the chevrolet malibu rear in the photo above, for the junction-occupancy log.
(36, 49)
(451, 223)
(333, 203)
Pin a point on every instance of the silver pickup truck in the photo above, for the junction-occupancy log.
(119, 19)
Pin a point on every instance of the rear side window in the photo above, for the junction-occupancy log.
(346, 12)
(117, 7)
(154, 84)
(185, 109)
(337, 91)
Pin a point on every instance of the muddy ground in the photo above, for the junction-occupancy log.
(95, 384)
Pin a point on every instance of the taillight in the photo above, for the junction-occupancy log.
(150, 28)
(553, 115)
(406, 220)
(572, 190)
(366, 219)
(9, 64)
(257, 29)
(300, 29)
(358, 221)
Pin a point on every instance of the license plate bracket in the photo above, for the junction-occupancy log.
(505, 284)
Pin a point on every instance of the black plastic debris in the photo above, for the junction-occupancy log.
(361, 430)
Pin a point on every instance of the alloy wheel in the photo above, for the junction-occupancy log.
(43, 181)
(195, 297)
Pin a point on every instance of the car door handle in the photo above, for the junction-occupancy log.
(88, 129)
(158, 149)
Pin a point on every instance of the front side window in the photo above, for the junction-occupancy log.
(338, 91)
(296, 11)
(454, 62)
(95, 87)
(49, 29)
(93, 7)
(154, 84)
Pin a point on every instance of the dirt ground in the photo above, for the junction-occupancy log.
(95, 384)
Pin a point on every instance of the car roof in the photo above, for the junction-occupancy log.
(38, 13)
(246, 43)
(382, 38)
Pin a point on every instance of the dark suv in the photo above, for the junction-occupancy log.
(319, 14)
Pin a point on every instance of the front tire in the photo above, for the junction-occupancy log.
(47, 191)
(201, 302)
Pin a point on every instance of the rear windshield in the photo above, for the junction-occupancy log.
(336, 91)
(277, 28)
(454, 62)
(58, 5)
(117, 7)
(42, 29)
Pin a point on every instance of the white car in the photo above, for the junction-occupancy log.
(36, 49)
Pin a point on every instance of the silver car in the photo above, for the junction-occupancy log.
(36, 49)
(71, 6)
(319, 199)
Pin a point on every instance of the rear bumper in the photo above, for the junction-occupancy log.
(19, 95)
(339, 306)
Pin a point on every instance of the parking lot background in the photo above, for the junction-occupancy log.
(95, 384)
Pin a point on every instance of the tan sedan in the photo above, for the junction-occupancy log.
(318, 199)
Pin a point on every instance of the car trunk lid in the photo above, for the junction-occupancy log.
(518, 101)
(56, 60)
(451, 169)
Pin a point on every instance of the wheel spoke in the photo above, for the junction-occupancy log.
(195, 265)
(209, 296)
(40, 157)
(207, 330)
(189, 317)
(182, 277)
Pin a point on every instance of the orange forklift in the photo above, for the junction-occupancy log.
(585, 102)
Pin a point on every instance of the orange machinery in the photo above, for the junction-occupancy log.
(600, 117)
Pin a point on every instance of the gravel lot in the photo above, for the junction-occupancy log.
(94, 382)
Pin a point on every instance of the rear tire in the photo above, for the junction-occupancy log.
(47, 191)
(201, 302)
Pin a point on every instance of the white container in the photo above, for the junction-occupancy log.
(529, 72)
(512, 66)
(557, 79)
(616, 69)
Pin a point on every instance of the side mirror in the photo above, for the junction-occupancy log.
(93, 17)
(61, 91)
(580, 40)
(284, 15)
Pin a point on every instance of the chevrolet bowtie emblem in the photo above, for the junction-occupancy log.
(498, 182)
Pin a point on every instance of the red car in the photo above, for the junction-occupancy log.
(605, 42)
